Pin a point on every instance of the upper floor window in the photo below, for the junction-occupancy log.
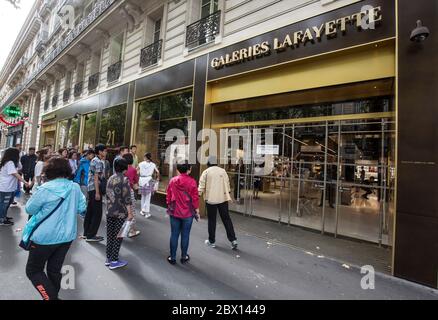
(207, 27)
(68, 80)
(151, 53)
(208, 7)
(80, 72)
(95, 62)
(116, 48)
(157, 30)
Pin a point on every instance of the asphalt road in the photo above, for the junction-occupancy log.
(258, 270)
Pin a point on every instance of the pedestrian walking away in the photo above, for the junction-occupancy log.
(119, 209)
(214, 186)
(147, 183)
(182, 206)
(132, 175)
(96, 190)
(9, 179)
(28, 163)
(53, 207)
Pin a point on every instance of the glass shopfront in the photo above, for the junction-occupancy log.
(155, 117)
(112, 126)
(89, 131)
(68, 134)
(48, 135)
(330, 166)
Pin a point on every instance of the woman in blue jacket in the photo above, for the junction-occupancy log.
(56, 203)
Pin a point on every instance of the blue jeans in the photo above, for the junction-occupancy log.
(6, 199)
(183, 227)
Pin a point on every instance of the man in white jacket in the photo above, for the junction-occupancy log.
(214, 186)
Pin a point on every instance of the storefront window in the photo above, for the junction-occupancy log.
(155, 117)
(319, 110)
(112, 126)
(68, 133)
(48, 134)
(89, 139)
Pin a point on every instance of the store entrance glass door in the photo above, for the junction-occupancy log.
(331, 176)
(365, 207)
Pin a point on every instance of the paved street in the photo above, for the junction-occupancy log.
(259, 270)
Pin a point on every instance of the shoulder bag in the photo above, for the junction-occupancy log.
(26, 245)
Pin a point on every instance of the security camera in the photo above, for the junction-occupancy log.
(420, 33)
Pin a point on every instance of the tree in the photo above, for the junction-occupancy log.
(15, 3)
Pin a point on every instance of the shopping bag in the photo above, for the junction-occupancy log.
(156, 184)
(124, 231)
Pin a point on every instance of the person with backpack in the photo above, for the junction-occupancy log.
(52, 227)
(81, 176)
(182, 206)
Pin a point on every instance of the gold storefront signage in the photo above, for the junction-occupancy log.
(368, 18)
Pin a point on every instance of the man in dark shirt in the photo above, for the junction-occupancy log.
(28, 162)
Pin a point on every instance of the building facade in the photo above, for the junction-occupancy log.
(325, 83)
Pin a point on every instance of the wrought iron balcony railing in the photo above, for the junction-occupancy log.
(93, 81)
(66, 95)
(46, 105)
(55, 100)
(78, 89)
(42, 41)
(203, 31)
(151, 54)
(99, 9)
(114, 72)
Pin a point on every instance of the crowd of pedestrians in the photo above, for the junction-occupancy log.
(67, 183)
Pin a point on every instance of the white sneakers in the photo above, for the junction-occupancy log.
(211, 245)
(145, 214)
(234, 244)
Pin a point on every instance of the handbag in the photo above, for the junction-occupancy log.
(124, 231)
(26, 245)
(191, 206)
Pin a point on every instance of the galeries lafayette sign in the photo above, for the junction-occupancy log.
(368, 18)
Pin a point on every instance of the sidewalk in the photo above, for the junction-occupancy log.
(352, 252)
(258, 270)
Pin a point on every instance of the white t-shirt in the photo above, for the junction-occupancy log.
(8, 182)
(146, 171)
(39, 168)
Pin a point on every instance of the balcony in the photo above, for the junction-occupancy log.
(114, 72)
(78, 89)
(46, 8)
(19, 67)
(46, 105)
(66, 95)
(203, 31)
(93, 82)
(54, 101)
(42, 39)
(99, 9)
(150, 55)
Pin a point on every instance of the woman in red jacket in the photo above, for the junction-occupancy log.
(182, 206)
